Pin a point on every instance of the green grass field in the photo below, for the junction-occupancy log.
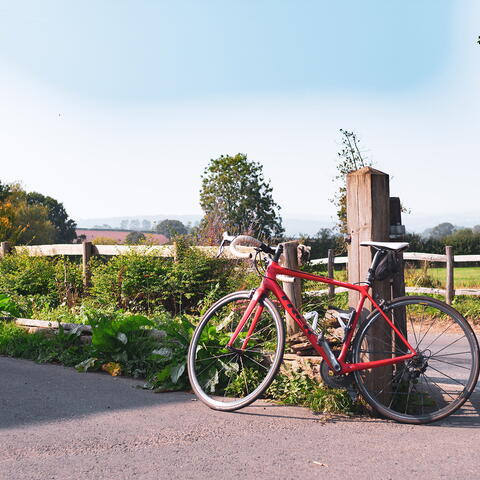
(464, 277)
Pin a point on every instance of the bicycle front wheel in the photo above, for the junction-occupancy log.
(437, 380)
(229, 378)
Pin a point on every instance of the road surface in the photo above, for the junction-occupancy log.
(56, 423)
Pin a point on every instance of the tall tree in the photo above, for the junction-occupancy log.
(235, 190)
(64, 226)
(171, 228)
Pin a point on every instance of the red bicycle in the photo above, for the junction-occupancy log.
(413, 359)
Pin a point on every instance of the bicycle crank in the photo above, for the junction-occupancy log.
(334, 381)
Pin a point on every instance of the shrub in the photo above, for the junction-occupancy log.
(35, 282)
(140, 282)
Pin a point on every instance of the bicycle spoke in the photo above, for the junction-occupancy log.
(450, 363)
(218, 356)
(259, 364)
(408, 393)
(439, 335)
(463, 336)
(448, 376)
(235, 379)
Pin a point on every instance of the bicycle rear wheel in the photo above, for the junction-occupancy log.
(434, 383)
(231, 378)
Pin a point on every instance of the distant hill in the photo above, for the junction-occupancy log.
(295, 226)
(292, 226)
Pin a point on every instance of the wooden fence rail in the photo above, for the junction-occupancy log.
(449, 292)
(87, 249)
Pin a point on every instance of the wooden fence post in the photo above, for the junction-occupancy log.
(397, 233)
(330, 272)
(86, 254)
(292, 289)
(5, 248)
(368, 218)
(449, 284)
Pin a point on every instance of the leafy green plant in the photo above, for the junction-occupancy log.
(170, 355)
(117, 337)
(64, 348)
(8, 307)
(296, 388)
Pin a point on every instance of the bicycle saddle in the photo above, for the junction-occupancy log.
(395, 246)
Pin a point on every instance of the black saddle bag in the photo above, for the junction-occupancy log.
(389, 265)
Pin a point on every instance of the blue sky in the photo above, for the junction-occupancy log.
(116, 107)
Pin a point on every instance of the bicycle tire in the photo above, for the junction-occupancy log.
(220, 383)
(436, 382)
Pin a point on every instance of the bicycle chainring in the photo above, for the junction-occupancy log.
(334, 381)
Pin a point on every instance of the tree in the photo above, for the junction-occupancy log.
(39, 229)
(324, 240)
(440, 231)
(134, 238)
(234, 189)
(124, 224)
(349, 159)
(20, 221)
(146, 225)
(135, 224)
(63, 225)
(171, 228)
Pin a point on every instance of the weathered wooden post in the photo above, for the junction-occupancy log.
(397, 234)
(449, 284)
(330, 272)
(86, 254)
(5, 248)
(368, 218)
(293, 288)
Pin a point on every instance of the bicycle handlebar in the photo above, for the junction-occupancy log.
(247, 241)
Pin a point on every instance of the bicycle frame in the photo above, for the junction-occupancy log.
(269, 284)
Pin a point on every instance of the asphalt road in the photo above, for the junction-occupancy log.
(58, 424)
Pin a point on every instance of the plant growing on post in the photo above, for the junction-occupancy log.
(349, 159)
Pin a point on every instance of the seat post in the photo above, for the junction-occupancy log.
(376, 260)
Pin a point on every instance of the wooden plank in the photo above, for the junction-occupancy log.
(50, 250)
(154, 250)
(467, 291)
(429, 257)
(432, 291)
(324, 261)
(319, 293)
(29, 322)
(466, 258)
